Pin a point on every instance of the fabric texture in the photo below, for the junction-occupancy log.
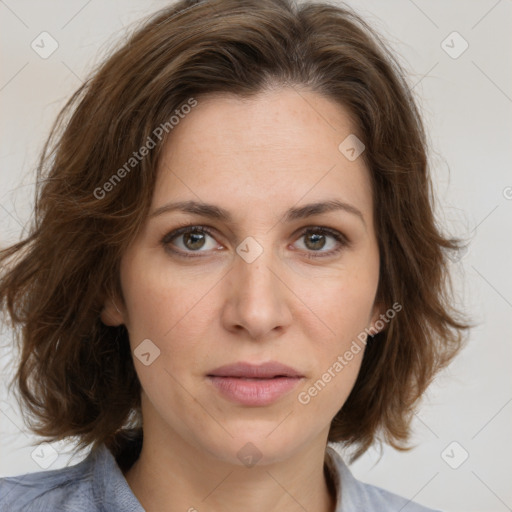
(97, 484)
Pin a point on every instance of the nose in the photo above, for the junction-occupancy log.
(257, 298)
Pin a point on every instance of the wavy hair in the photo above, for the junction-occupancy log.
(75, 376)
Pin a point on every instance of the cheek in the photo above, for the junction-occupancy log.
(341, 294)
(344, 304)
(170, 310)
(338, 357)
(326, 394)
(159, 300)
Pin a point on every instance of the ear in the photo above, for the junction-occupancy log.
(112, 313)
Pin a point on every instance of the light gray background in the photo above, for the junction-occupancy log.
(467, 104)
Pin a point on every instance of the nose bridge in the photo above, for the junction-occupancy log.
(257, 299)
(255, 280)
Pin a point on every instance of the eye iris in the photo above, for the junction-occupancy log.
(196, 238)
(316, 239)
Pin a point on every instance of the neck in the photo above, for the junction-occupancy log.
(190, 480)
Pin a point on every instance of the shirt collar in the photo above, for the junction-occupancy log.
(110, 488)
(350, 499)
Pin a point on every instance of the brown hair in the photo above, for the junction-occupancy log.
(76, 376)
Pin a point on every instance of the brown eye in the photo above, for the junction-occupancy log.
(190, 239)
(318, 238)
(314, 241)
(193, 241)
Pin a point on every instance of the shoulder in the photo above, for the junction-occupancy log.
(383, 500)
(357, 495)
(68, 488)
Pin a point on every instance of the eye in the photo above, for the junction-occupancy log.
(317, 238)
(191, 239)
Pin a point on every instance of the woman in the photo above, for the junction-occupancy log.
(234, 262)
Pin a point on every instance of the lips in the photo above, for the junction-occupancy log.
(244, 370)
(255, 385)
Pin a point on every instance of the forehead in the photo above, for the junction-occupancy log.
(278, 146)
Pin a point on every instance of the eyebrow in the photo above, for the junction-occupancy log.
(215, 212)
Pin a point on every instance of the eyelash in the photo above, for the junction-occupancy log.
(339, 237)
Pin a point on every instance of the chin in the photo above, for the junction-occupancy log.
(262, 446)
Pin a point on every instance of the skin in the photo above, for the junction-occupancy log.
(256, 158)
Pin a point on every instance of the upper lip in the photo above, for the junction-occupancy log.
(263, 371)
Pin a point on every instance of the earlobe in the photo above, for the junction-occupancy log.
(110, 314)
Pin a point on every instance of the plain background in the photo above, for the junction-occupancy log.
(466, 102)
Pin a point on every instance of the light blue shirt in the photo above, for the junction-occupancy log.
(97, 484)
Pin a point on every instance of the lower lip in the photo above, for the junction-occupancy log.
(254, 391)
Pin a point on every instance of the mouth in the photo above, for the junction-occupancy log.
(254, 385)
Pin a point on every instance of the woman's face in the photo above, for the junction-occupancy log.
(267, 282)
